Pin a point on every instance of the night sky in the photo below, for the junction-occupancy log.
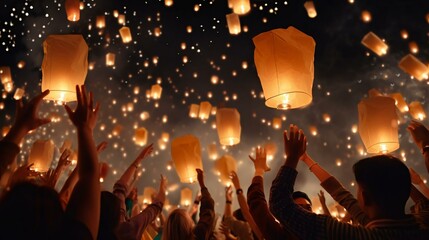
(345, 71)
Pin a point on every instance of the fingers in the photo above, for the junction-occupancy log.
(84, 96)
(91, 101)
(39, 97)
(79, 96)
(253, 160)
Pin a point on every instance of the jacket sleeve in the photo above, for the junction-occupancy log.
(205, 224)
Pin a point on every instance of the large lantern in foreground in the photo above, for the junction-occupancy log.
(64, 66)
(186, 154)
(41, 155)
(223, 167)
(185, 197)
(375, 44)
(378, 124)
(228, 126)
(284, 61)
(72, 10)
(414, 67)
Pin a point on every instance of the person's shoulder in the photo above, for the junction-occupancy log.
(74, 230)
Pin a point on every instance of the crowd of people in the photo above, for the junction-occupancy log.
(31, 208)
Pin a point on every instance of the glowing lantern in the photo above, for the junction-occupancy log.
(212, 151)
(117, 129)
(374, 93)
(64, 66)
(399, 102)
(378, 124)
(193, 110)
(404, 34)
(366, 16)
(121, 19)
(21, 64)
(240, 7)
(125, 33)
(204, 110)
(271, 150)
(19, 92)
(67, 144)
(5, 75)
(414, 48)
(148, 192)
(41, 155)
(277, 123)
(185, 197)
(228, 126)
(223, 167)
(414, 67)
(311, 10)
(416, 111)
(110, 59)
(375, 44)
(168, 3)
(186, 154)
(72, 10)
(5, 130)
(287, 82)
(157, 31)
(233, 21)
(100, 22)
(313, 130)
(140, 136)
(156, 91)
(165, 136)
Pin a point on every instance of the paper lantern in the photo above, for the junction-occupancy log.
(270, 150)
(204, 110)
(284, 61)
(161, 144)
(125, 33)
(414, 48)
(65, 65)
(110, 59)
(168, 3)
(366, 16)
(41, 155)
(404, 34)
(223, 167)
(21, 64)
(186, 154)
(374, 93)
(313, 130)
(378, 124)
(193, 110)
(121, 19)
(19, 92)
(399, 102)
(100, 22)
(185, 197)
(5, 130)
(140, 136)
(240, 7)
(147, 194)
(416, 111)
(311, 10)
(414, 67)
(228, 126)
(156, 91)
(212, 151)
(375, 44)
(277, 123)
(72, 10)
(5, 75)
(165, 137)
(233, 21)
(117, 129)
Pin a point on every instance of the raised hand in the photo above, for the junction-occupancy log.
(162, 189)
(322, 198)
(415, 177)
(64, 160)
(200, 177)
(235, 180)
(101, 147)
(228, 193)
(295, 145)
(85, 115)
(143, 154)
(260, 161)
(419, 133)
(21, 174)
(27, 114)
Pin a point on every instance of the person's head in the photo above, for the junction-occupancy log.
(302, 200)
(179, 226)
(110, 212)
(239, 215)
(384, 184)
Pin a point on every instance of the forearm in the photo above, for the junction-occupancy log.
(424, 189)
(68, 187)
(246, 213)
(316, 169)
(325, 209)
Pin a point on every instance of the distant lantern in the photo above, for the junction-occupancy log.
(125, 33)
(117, 129)
(413, 66)
(115, 13)
(148, 192)
(414, 48)
(185, 197)
(212, 151)
(271, 150)
(157, 31)
(233, 21)
(110, 59)
(72, 10)
(21, 64)
(375, 44)
(404, 34)
(65, 65)
(165, 137)
(378, 124)
(168, 3)
(19, 92)
(313, 130)
(311, 10)
(6, 78)
(287, 83)
(140, 136)
(366, 16)
(193, 110)
(204, 110)
(155, 91)
(228, 126)
(223, 167)
(399, 102)
(121, 19)
(416, 111)
(241, 7)
(100, 22)
(186, 154)
(41, 155)
(277, 123)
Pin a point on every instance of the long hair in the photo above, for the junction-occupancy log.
(179, 226)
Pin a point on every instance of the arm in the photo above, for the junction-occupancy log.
(420, 135)
(51, 178)
(84, 204)
(228, 202)
(226, 232)
(417, 180)
(204, 227)
(68, 187)
(323, 203)
(128, 176)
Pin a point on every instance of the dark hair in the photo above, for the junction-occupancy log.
(239, 215)
(299, 194)
(110, 213)
(385, 178)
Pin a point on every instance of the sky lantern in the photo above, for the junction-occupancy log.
(100, 22)
(240, 7)
(287, 83)
(414, 48)
(148, 192)
(19, 92)
(41, 155)
(373, 92)
(193, 110)
(121, 19)
(228, 126)
(6, 78)
(65, 65)
(72, 10)
(110, 59)
(185, 197)
(168, 3)
(233, 21)
(413, 66)
(186, 155)
(399, 102)
(212, 151)
(404, 34)
(277, 123)
(165, 137)
(366, 16)
(311, 10)
(378, 124)
(375, 44)
(271, 150)
(204, 110)
(155, 91)
(223, 168)
(416, 111)
(140, 136)
(125, 33)
(117, 129)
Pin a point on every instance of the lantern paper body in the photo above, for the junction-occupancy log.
(125, 34)
(186, 154)
(212, 151)
(375, 44)
(416, 111)
(100, 22)
(284, 61)
(18, 93)
(378, 124)
(168, 3)
(223, 167)
(41, 155)
(156, 91)
(204, 111)
(121, 19)
(147, 194)
(140, 137)
(185, 197)
(399, 102)
(414, 67)
(311, 10)
(277, 123)
(65, 65)
(233, 21)
(72, 10)
(271, 150)
(228, 126)
(6, 78)
(110, 59)
(193, 110)
(241, 7)
(414, 48)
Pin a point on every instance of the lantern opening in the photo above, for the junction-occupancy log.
(289, 100)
